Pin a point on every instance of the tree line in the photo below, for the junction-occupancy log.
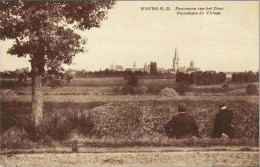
(110, 73)
(201, 78)
(245, 77)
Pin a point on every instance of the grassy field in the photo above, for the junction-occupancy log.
(107, 86)
(129, 98)
(95, 116)
(136, 123)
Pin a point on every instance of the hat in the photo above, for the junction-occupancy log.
(223, 104)
(182, 107)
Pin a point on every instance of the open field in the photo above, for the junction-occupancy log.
(192, 158)
(106, 86)
(88, 111)
(131, 123)
(127, 98)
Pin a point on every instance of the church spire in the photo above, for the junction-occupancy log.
(176, 57)
(176, 61)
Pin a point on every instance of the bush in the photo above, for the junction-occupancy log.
(251, 89)
(131, 86)
(155, 89)
(225, 86)
(130, 120)
(85, 124)
(53, 127)
(15, 137)
(182, 88)
(133, 81)
(60, 125)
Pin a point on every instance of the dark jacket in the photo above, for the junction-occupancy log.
(222, 124)
(181, 125)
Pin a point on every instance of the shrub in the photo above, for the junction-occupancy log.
(59, 125)
(225, 86)
(181, 88)
(15, 137)
(251, 89)
(132, 81)
(85, 124)
(131, 85)
(155, 89)
(55, 126)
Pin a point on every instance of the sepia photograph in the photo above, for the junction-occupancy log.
(129, 83)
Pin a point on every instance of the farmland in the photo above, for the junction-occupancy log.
(95, 115)
(107, 86)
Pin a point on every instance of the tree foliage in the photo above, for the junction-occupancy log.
(201, 78)
(153, 68)
(44, 30)
(245, 77)
(251, 89)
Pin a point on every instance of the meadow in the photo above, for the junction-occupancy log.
(95, 116)
(138, 123)
(110, 86)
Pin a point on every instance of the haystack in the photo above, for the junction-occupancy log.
(169, 92)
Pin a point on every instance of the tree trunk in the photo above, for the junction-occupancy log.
(37, 95)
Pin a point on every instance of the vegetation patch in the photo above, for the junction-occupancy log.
(127, 123)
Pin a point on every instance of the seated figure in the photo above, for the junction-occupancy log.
(223, 123)
(181, 125)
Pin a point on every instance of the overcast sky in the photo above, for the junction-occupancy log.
(225, 42)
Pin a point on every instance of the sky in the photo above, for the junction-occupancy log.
(227, 42)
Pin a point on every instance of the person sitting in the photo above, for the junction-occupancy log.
(181, 125)
(223, 123)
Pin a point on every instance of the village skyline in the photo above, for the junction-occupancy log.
(217, 42)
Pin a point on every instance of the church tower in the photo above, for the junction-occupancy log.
(191, 64)
(134, 65)
(176, 61)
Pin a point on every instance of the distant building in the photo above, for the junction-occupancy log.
(134, 66)
(211, 71)
(176, 61)
(111, 68)
(161, 70)
(22, 70)
(114, 67)
(119, 68)
(146, 68)
(170, 71)
(229, 74)
(192, 68)
(177, 68)
(182, 69)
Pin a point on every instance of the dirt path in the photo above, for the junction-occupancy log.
(193, 158)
